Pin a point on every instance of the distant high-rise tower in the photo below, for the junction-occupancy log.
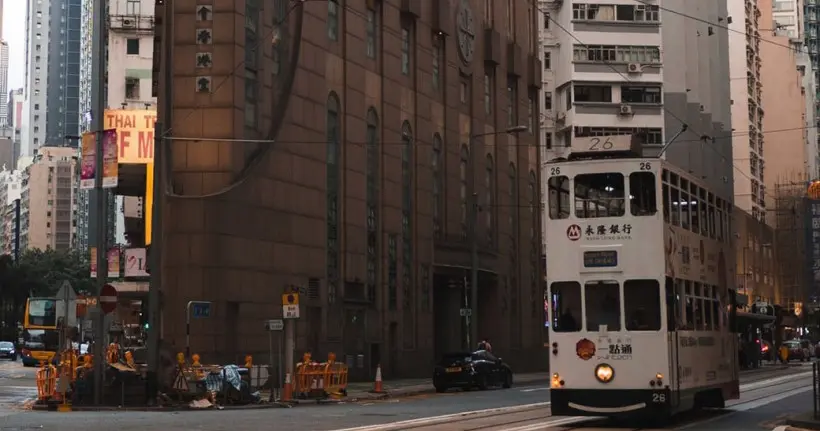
(4, 78)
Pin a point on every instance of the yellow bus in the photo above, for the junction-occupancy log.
(40, 336)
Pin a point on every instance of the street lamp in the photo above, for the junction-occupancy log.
(472, 322)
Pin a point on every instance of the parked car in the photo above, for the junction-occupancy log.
(466, 370)
(796, 350)
(8, 351)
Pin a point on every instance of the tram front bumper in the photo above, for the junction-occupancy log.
(610, 402)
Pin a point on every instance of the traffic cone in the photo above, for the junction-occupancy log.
(377, 387)
(287, 391)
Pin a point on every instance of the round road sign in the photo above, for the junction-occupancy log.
(108, 299)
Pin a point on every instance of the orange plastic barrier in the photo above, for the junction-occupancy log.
(320, 380)
(46, 378)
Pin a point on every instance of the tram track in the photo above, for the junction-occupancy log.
(536, 417)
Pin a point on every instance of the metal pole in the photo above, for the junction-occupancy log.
(473, 220)
(745, 277)
(98, 67)
(290, 345)
(280, 378)
(188, 329)
(270, 360)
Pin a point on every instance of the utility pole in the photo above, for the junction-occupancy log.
(98, 197)
(158, 192)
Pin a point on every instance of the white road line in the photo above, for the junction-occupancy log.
(534, 389)
(445, 418)
(570, 420)
(781, 428)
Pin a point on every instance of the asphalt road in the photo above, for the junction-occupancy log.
(334, 417)
(17, 385)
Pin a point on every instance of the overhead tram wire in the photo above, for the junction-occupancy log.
(728, 160)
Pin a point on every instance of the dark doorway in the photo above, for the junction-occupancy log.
(450, 328)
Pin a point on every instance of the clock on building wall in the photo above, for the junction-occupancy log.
(465, 29)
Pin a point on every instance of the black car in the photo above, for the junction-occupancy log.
(8, 351)
(479, 369)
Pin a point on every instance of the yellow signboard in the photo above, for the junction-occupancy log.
(290, 299)
(135, 134)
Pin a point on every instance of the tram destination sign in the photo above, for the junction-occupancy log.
(603, 144)
(600, 259)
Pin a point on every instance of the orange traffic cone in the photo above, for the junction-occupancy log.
(377, 387)
(287, 391)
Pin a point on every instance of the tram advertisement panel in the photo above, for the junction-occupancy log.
(690, 256)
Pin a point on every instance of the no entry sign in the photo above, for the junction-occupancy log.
(108, 299)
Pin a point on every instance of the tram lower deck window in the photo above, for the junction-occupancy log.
(565, 306)
(642, 305)
(603, 305)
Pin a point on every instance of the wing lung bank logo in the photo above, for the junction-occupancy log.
(574, 232)
(585, 349)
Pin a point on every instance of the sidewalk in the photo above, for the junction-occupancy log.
(805, 421)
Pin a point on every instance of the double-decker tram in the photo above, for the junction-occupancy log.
(640, 307)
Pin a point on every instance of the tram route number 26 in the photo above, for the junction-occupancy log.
(659, 397)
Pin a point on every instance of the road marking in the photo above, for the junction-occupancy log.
(549, 424)
(534, 389)
(433, 420)
(749, 405)
(781, 428)
(446, 418)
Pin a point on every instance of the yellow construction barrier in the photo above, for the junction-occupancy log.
(319, 380)
(46, 378)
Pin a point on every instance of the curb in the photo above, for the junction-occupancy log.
(804, 424)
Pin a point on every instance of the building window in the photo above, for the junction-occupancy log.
(533, 195)
(488, 92)
(621, 12)
(371, 32)
(640, 94)
(132, 7)
(392, 271)
(617, 53)
(510, 20)
(462, 172)
(132, 46)
(513, 202)
(512, 101)
(407, 219)
(532, 119)
(251, 94)
(435, 164)
(548, 100)
(372, 180)
(593, 93)
(132, 88)
(547, 60)
(547, 19)
(332, 169)
(464, 89)
(333, 19)
(405, 49)
(438, 55)
(489, 192)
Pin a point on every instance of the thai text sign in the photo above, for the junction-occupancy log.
(135, 132)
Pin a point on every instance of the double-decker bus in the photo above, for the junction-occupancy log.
(40, 335)
(641, 309)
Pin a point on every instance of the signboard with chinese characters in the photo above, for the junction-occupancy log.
(691, 256)
(614, 348)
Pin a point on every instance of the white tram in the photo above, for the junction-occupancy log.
(640, 306)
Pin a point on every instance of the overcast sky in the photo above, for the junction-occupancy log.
(14, 29)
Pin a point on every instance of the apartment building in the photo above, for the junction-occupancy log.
(10, 192)
(49, 189)
(607, 76)
(36, 79)
(129, 47)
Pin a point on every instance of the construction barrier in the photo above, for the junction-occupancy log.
(319, 380)
(46, 381)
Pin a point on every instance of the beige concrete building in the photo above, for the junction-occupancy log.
(48, 200)
(756, 270)
(388, 122)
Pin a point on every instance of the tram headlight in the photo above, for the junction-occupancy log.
(556, 381)
(604, 373)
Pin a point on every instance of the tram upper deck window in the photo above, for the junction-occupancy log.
(599, 195)
(684, 204)
(603, 305)
(642, 305)
(642, 194)
(559, 197)
(565, 306)
(694, 208)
